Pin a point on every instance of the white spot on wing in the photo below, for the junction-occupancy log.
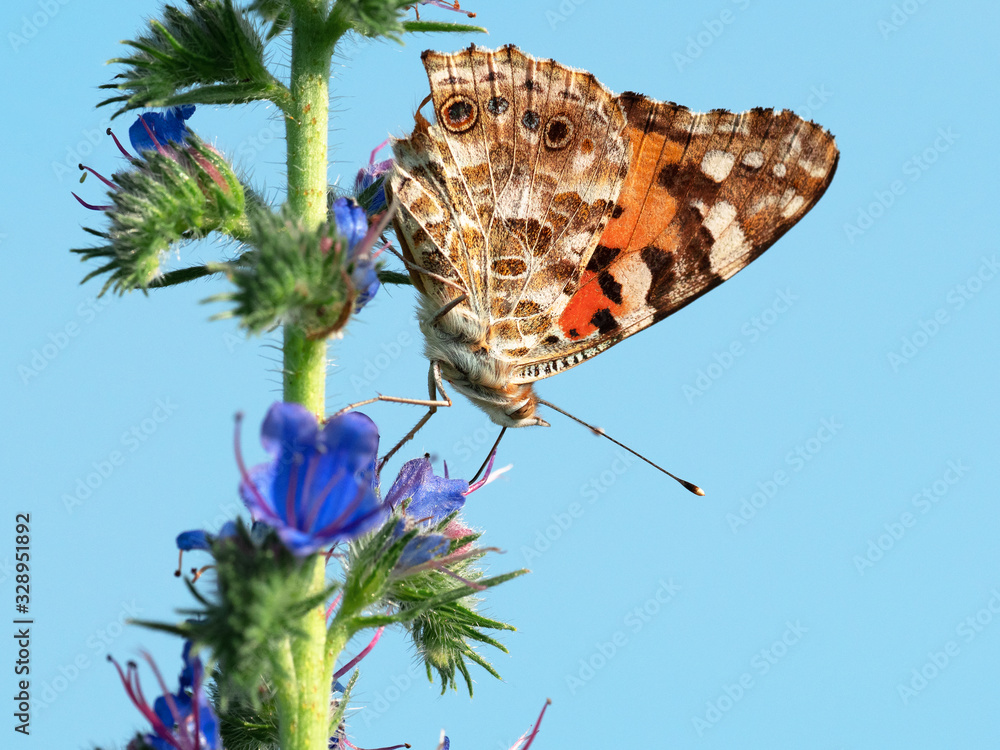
(721, 216)
(753, 159)
(717, 164)
(793, 204)
(730, 243)
(816, 171)
(779, 170)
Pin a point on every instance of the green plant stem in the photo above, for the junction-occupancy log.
(306, 134)
(308, 727)
(305, 370)
(304, 701)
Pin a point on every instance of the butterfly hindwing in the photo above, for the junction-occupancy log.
(530, 155)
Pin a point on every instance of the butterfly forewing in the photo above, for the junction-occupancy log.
(705, 195)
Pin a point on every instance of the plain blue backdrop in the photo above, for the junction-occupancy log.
(839, 586)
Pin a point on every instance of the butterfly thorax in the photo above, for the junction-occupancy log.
(459, 341)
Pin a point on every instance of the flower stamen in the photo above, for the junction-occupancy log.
(364, 652)
(121, 148)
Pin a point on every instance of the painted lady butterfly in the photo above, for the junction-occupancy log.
(544, 219)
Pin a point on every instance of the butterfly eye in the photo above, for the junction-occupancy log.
(558, 132)
(459, 113)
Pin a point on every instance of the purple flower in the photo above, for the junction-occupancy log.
(431, 500)
(368, 176)
(352, 225)
(181, 721)
(319, 489)
(153, 130)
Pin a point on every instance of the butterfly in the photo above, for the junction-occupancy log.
(544, 219)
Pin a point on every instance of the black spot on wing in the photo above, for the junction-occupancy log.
(602, 258)
(611, 288)
(604, 321)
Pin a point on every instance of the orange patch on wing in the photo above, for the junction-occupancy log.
(581, 308)
(633, 230)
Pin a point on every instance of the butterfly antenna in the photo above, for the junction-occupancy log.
(488, 455)
(689, 486)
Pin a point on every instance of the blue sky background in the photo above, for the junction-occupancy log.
(794, 624)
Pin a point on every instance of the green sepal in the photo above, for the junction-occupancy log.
(435, 26)
(366, 196)
(260, 597)
(207, 53)
(394, 277)
(292, 275)
(243, 725)
(276, 12)
(372, 18)
(437, 610)
(340, 705)
(184, 192)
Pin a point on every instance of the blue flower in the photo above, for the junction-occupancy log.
(198, 539)
(431, 496)
(181, 721)
(153, 130)
(431, 500)
(368, 176)
(352, 225)
(319, 489)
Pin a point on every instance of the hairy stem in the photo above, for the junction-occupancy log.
(304, 717)
(306, 126)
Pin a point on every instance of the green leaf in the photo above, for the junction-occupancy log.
(208, 53)
(433, 26)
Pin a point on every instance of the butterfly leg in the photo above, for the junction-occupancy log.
(434, 387)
